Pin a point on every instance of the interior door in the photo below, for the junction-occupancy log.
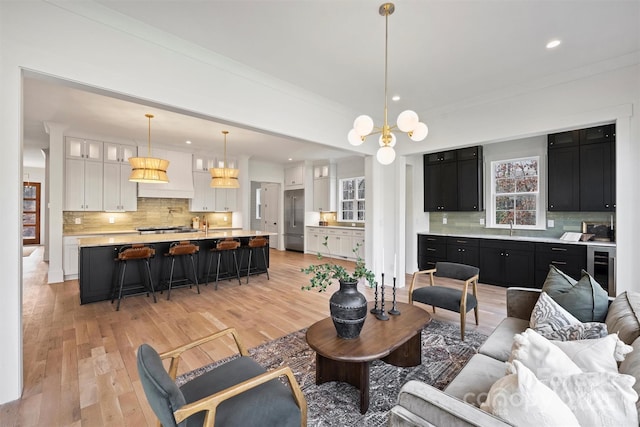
(31, 213)
(270, 197)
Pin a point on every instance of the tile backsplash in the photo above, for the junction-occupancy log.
(469, 223)
(151, 212)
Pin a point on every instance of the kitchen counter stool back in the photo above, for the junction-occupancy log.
(228, 246)
(133, 253)
(182, 249)
(257, 244)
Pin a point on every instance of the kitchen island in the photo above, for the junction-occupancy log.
(98, 266)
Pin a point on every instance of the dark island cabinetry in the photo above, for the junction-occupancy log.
(581, 170)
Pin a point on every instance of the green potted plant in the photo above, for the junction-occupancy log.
(347, 305)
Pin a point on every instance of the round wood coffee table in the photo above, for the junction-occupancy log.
(396, 341)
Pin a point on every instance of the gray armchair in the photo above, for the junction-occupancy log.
(239, 392)
(448, 298)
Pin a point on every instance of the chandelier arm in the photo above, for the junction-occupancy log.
(386, 47)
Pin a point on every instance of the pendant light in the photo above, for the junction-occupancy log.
(224, 177)
(149, 169)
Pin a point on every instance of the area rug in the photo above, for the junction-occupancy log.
(336, 404)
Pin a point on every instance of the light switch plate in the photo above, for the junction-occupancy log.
(550, 223)
(444, 220)
(78, 221)
(481, 221)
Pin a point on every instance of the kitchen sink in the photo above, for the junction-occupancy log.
(165, 230)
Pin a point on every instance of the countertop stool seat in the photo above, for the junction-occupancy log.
(261, 245)
(182, 249)
(130, 253)
(228, 246)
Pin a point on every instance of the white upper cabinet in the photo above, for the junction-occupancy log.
(118, 153)
(119, 194)
(83, 185)
(294, 177)
(324, 188)
(203, 162)
(78, 148)
(204, 197)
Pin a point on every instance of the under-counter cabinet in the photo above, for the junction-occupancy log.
(341, 242)
(570, 259)
(431, 249)
(83, 184)
(507, 263)
(463, 250)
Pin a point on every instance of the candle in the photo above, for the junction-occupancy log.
(394, 265)
(383, 262)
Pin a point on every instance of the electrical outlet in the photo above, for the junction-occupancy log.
(78, 221)
(112, 220)
(444, 220)
(481, 221)
(550, 223)
(224, 218)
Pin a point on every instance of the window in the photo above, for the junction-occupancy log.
(352, 199)
(515, 194)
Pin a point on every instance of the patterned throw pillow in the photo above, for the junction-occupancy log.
(553, 322)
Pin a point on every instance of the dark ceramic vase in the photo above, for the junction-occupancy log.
(348, 309)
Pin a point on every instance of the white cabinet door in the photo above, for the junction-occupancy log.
(358, 240)
(83, 185)
(70, 257)
(120, 194)
(203, 162)
(313, 240)
(226, 199)
(78, 148)
(203, 195)
(324, 195)
(294, 177)
(118, 153)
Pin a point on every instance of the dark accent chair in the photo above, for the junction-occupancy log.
(239, 392)
(449, 298)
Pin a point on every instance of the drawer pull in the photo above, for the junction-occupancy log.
(431, 249)
(558, 263)
(461, 241)
(559, 249)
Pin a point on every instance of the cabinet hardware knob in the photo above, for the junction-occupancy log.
(507, 254)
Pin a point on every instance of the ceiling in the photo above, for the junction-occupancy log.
(442, 55)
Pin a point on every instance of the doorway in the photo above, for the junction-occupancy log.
(30, 213)
(270, 203)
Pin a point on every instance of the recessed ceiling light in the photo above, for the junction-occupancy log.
(187, 142)
(395, 98)
(553, 43)
(290, 159)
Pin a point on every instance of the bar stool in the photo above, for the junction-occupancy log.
(230, 246)
(182, 249)
(136, 252)
(253, 245)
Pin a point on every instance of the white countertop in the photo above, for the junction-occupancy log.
(125, 239)
(343, 227)
(520, 238)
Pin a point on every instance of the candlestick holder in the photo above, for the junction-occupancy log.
(394, 310)
(382, 315)
(375, 309)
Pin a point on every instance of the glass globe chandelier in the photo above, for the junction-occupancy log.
(224, 177)
(407, 122)
(149, 169)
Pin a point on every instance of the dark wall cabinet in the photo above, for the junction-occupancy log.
(581, 170)
(453, 180)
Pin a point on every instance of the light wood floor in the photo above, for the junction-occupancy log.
(80, 363)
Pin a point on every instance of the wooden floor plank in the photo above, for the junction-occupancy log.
(80, 360)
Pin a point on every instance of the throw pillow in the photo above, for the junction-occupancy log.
(585, 299)
(522, 400)
(596, 355)
(540, 356)
(623, 316)
(604, 399)
(553, 322)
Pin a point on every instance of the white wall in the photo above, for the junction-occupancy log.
(127, 57)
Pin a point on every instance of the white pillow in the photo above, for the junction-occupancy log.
(543, 358)
(596, 355)
(522, 400)
(550, 320)
(602, 399)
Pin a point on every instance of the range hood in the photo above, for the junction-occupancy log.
(180, 185)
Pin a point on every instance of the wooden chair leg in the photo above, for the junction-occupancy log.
(462, 323)
(475, 312)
